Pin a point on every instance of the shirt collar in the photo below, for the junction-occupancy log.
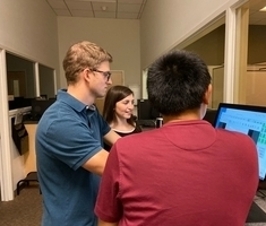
(91, 107)
(68, 99)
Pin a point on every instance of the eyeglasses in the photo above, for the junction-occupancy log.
(106, 74)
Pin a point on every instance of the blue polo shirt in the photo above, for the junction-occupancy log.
(68, 134)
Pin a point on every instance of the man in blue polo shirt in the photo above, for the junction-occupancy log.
(69, 139)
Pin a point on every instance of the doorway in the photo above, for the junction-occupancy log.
(16, 82)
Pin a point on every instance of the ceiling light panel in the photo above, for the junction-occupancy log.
(104, 1)
(57, 4)
(131, 1)
(263, 9)
(91, 0)
(133, 8)
(99, 6)
(123, 15)
(81, 13)
(256, 4)
(62, 12)
(100, 14)
(82, 5)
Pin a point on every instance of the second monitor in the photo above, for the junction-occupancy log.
(146, 111)
(39, 107)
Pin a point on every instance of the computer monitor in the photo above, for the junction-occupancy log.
(19, 102)
(247, 119)
(210, 115)
(146, 111)
(39, 106)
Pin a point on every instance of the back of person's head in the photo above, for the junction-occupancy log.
(83, 55)
(177, 82)
(114, 95)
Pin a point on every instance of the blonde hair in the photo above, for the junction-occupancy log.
(83, 55)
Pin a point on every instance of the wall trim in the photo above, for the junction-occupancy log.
(7, 192)
(37, 79)
(229, 55)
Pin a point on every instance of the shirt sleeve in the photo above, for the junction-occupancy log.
(105, 128)
(72, 142)
(108, 206)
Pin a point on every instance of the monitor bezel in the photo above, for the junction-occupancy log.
(257, 108)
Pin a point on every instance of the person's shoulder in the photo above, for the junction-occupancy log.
(226, 133)
(58, 116)
(139, 137)
(235, 138)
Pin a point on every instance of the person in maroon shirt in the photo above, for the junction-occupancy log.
(186, 172)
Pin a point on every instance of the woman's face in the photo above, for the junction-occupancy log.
(125, 107)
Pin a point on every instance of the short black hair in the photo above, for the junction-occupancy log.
(177, 82)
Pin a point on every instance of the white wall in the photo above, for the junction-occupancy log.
(165, 24)
(18, 166)
(119, 37)
(29, 28)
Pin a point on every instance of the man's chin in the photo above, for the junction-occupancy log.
(100, 95)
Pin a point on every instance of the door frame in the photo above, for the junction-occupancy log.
(6, 176)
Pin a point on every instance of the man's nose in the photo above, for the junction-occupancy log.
(109, 81)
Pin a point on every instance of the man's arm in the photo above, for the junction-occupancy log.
(97, 162)
(104, 223)
(111, 137)
(108, 207)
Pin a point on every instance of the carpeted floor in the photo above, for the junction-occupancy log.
(24, 210)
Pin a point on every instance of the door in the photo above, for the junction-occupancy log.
(16, 82)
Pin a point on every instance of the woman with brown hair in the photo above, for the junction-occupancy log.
(118, 111)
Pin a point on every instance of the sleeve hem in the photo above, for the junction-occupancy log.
(87, 157)
(102, 215)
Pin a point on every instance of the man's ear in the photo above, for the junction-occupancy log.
(207, 95)
(86, 75)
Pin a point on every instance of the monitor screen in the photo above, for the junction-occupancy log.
(247, 119)
(39, 107)
(146, 111)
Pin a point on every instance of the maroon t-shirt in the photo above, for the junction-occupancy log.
(185, 173)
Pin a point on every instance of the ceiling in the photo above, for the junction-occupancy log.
(257, 17)
(128, 9)
(116, 9)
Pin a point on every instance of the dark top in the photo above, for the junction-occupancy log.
(123, 134)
